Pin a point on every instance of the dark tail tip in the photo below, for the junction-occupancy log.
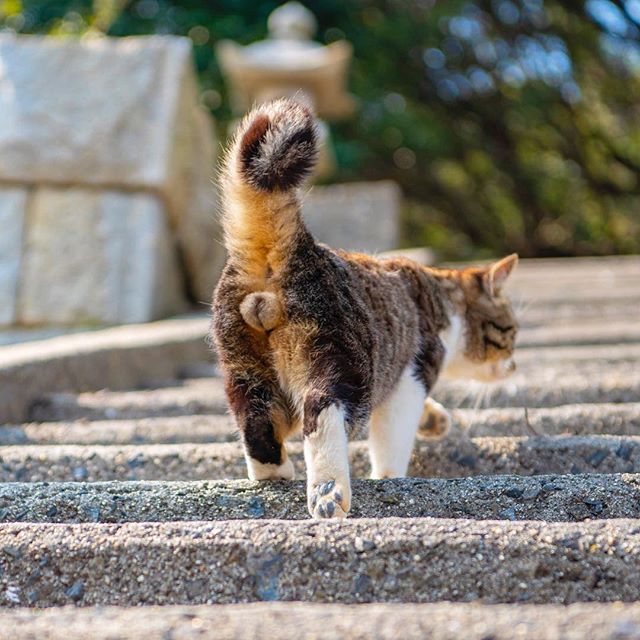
(278, 148)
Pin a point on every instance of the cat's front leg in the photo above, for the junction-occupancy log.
(393, 427)
(326, 457)
(435, 420)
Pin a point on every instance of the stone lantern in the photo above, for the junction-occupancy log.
(289, 63)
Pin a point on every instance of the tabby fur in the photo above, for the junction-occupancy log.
(329, 342)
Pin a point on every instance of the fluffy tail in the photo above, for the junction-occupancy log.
(272, 153)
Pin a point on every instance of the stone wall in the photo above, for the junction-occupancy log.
(107, 207)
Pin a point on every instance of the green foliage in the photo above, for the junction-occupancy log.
(511, 126)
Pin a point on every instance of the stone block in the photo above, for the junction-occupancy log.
(109, 122)
(97, 257)
(359, 216)
(12, 210)
(126, 116)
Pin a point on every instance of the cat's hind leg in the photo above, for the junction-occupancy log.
(326, 456)
(435, 420)
(393, 427)
(264, 423)
(261, 411)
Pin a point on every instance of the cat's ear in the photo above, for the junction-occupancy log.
(497, 274)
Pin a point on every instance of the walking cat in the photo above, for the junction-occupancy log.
(328, 341)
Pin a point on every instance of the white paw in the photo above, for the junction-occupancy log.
(328, 499)
(435, 420)
(259, 471)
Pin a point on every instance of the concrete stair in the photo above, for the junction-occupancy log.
(447, 458)
(289, 620)
(546, 388)
(553, 498)
(519, 524)
(612, 419)
(390, 559)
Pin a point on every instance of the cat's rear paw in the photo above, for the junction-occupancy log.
(435, 420)
(260, 471)
(328, 500)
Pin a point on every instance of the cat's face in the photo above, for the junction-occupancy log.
(483, 332)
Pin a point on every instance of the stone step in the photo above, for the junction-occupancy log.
(608, 387)
(532, 313)
(119, 357)
(193, 396)
(577, 290)
(576, 279)
(393, 559)
(554, 371)
(573, 419)
(448, 458)
(611, 419)
(547, 386)
(163, 430)
(581, 332)
(550, 498)
(293, 620)
(604, 354)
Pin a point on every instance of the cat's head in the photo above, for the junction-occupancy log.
(480, 339)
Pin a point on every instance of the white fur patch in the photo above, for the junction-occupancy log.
(393, 428)
(457, 365)
(259, 471)
(325, 450)
(326, 456)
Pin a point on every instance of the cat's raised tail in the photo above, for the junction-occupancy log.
(273, 151)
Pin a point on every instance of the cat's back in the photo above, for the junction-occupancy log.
(388, 293)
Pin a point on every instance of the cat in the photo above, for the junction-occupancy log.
(327, 341)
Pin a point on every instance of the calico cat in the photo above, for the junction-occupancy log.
(327, 341)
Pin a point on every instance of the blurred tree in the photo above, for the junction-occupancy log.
(510, 124)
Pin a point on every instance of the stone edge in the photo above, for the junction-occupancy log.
(120, 357)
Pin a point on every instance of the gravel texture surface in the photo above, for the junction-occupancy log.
(581, 331)
(544, 386)
(293, 621)
(117, 497)
(160, 430)
(573, 419)
(120, 357)
(391, 560)
(447, 458)
(549, 498)
(576, 419)
(194, 396)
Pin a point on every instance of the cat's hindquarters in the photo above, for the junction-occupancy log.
(273, 151)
